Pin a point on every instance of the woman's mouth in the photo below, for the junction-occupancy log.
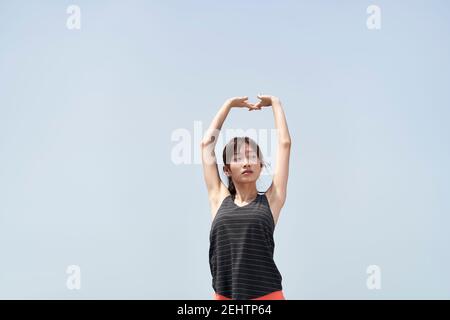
(246, 172)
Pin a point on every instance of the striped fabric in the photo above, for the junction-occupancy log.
(241, 250)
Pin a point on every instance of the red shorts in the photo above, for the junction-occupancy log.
(276, 295)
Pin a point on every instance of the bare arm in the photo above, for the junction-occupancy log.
(214, 185)
(278, 190)
(281, 174)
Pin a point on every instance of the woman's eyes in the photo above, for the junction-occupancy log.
(252, 157)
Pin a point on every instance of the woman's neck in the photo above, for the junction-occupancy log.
(245, 194)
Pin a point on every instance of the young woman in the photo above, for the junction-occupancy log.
(243, 221)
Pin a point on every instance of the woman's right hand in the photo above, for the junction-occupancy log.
(241, 102)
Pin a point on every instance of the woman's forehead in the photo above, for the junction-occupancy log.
(245, 147)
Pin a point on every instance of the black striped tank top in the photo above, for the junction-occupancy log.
(241, 250)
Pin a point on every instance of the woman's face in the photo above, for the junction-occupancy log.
(245, 166)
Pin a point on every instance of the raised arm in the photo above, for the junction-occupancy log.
(214, 185)
(278, 190)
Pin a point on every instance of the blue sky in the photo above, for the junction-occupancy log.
(86, 119)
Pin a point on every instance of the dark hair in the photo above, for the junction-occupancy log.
(232, 148)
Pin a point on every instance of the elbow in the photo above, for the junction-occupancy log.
(207, 141)
(204, 143)
(285, 143)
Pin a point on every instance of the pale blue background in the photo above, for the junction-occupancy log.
(86, 119)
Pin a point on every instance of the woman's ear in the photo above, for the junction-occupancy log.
(225, 170)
